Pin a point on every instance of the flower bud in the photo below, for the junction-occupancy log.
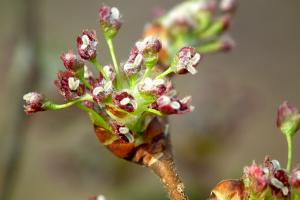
(169, 105)
(149, 48)
(295, 179)
(156, 87)
(71, 61)
(134, 64)
(124, 101)
(255, 178)
(123, 133)
(288, 119)
(110, 20)
(68, 85)
(102, 91)
(35, 102)
(186, 60)
(86, 45)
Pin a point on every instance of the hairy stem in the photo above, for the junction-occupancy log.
(165, 169)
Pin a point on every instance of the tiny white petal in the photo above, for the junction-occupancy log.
(276, 164)
(138, 60)
(175, 105)
(129, 137)
(164, 100)
(73, 83)
(115, 13)
(148, 84)
(277, 183)
(107, 70)
(297, 175)
(285, 191)
(85, 40)
(128, 66)
(124, 130)
(108, 86)
(186, 99)
(97, 90)
(140, 45)
(28, 97)
(266, 171)
(125, 101)
(192, 69)
(196, 59)
(101, 197)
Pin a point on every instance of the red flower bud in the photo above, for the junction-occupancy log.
(110, 20)
(288, 119)
(125, 101)
(71, 61)
(86, 45)
(123, 132)
(34, 102)
(68, 85)
(102, 90)
(186, 60)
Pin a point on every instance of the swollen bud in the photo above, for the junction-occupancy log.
(186, 60)
(86, 45)
(110, 20)
(288, 119)
(71, 61)
(35, 102)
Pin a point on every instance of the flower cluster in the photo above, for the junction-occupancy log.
(121, 99)
(200, 23)
(270, 181)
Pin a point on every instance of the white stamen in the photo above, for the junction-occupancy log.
(158, 82)
(297, 175)
(191, 69)
(175, 105)
(196, 59)
(107, 70)
(129, 137)
(85, 42)
(73, 83)
(108, 86)
(124, 130)
(186, 99)
(164, 100)
(285, 191)
(277, 183)
(115, 13)
(97, 90)
(101, 197)
(276, 164)
(86, 72)
(125, 101)
(148, 84)
(138, 60)
(266, 171)
(29, 97)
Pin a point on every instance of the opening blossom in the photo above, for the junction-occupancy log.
(123, 101)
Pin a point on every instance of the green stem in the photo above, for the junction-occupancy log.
(114, 59)
(95, 117)
(290, 152)
(153, 111)
(165, 73)
(146, 73)
(52, 106)
(100, 68)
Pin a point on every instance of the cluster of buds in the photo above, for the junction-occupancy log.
(270, 181)
(200, 23)
(124, 101)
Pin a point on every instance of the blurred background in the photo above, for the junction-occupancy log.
(55, 155)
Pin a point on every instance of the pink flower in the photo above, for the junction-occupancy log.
(86, 45)
(110, 20)
(288, 118)
(186, 61)
(34, 102)
(123, 132)
(169, 105)
(124, 101)
(256, 176)
(68, 85)
(71, 61)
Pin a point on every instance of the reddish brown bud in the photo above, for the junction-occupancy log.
(71, 61)
(186, 60)
(34, 102)
(110, 20)
(86, 45)
(288, 119)
(124, 101)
